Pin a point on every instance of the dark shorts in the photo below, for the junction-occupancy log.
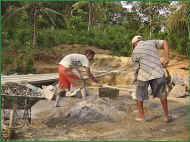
(158, 87)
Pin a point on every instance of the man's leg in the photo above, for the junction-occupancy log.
(140, 109)
(63, 83)
(159, 90)
(141, 95)
(164, 103)
(57, 100)
(59, 94)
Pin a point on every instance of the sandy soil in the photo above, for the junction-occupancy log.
(53, 124)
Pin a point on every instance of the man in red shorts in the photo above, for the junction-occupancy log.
(71, 63)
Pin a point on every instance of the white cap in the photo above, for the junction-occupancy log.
(136, 38)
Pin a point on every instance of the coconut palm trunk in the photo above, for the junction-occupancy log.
(34, 27)
(89, 15)
(188, 27)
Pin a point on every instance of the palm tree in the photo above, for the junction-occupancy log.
(36, 8)
(178, 20)
(91, 10)
(97, 11)
(179, 23)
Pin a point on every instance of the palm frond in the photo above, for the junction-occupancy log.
(50, 18)
(179, 19)
(13, 13)
(79, 5)
(52, 11)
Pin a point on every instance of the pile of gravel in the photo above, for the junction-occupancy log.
(91, 110)
(15, 89)
(27, 96)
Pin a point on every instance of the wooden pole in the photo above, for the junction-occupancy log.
(11, 120)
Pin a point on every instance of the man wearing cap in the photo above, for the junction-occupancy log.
(69, 71)
(149, 70)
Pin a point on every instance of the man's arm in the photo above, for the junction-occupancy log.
(91, 75)
(135, 61)
(166, 53)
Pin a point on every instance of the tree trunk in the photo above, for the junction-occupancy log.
(89, 15)
(12, 120)
(34, 27)
(150, 26)
(188, 27)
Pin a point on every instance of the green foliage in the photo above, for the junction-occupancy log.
(24, 62)
(18, 60)
(180, 44)
(23, 38)
(114, 38)
(89, 24)
(77, 23)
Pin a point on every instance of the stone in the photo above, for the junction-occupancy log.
(178, 91)
(16, 89)
(48, 91)
(177, 80)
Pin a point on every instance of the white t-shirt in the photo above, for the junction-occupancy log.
(74, 60)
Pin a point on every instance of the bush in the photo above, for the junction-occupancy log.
(180, 44)
(22, 38)
(24, 65)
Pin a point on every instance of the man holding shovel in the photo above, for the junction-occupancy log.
(149, 70)
(69, 72)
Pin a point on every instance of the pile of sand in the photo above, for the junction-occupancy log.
(81, 111)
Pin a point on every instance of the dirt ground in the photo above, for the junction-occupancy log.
(53, 124)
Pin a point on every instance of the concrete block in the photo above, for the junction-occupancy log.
(108, 92)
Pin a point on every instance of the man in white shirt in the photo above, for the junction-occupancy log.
(71, 62)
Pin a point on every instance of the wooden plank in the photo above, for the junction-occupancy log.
(12, 120)
(129, 88)
(45, 78)
(17, 96)
(30, 78)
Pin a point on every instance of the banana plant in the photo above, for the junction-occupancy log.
(36, 9)
(90, 5)
(96, 11)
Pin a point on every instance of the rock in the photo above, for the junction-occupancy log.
(85, 114)
(187, 81)
(178, 91)
(90, 110)
(177, 80)
(48, 91)
(133, 95)
(95, 110)
(180, 80)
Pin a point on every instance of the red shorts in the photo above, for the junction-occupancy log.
(66, 77)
